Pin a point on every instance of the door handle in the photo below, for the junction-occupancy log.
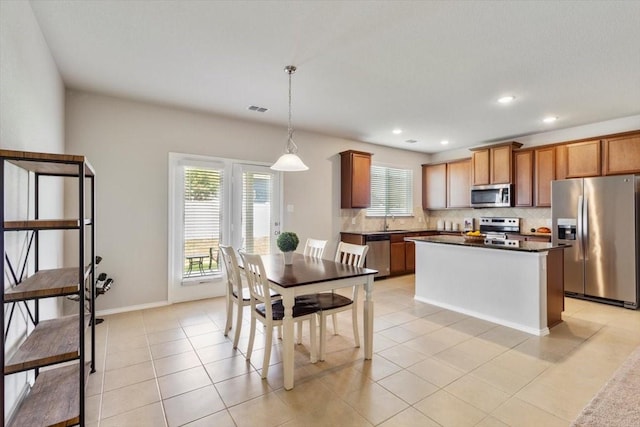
(579, 227)
(585, 228)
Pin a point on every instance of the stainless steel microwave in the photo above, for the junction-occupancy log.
(492, 196)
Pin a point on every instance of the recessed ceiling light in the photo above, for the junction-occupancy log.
(411, 141)
(444, 142)
(506, 99)
(397, 131)
(550, 119)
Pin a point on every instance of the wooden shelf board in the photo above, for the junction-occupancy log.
(54, 399)
(48, 163)
(42, 224)
(47, 283)
(52, 341)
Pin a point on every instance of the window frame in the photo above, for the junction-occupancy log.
(407, 210)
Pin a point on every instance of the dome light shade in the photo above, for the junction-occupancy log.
(289, 161)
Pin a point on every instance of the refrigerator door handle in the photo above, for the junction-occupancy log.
(585, 228)
(579, 226)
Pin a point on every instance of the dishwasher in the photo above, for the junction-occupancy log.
(378, 256)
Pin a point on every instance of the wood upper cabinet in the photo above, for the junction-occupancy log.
(480, 167)
(492, 165)
(583, 159)
(459, 184)
(434, 186)
(355, 171)
(621, 155)
(561, 162)
(545, 172)
(523, 165)
(500, 164)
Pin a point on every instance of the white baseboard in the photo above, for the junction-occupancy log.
(524, 328)
(131, 308)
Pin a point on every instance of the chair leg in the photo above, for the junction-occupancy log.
(236, 338)
(323, 335)
(252, 335)
(335, 324)
(299, 326)
(227, 327)
(268, 341)
(312, 333)
(356, 335)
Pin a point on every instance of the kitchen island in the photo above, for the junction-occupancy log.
(521, 287)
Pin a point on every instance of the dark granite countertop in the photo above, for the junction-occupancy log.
(523, 246)
(403, 231)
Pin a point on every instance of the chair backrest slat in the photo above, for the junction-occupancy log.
(257, 280)
(314, 248)
(234, 279)
(350, 254)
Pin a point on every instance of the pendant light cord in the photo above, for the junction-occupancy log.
(292, 148)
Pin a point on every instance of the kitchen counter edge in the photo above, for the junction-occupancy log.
(459, 241)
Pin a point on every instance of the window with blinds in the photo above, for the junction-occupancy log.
(391, 191)
(256, 211)
(202, 221)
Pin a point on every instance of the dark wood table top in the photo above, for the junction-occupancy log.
(307, 270)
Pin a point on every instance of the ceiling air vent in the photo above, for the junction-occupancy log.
(411, 141)
(258, 109)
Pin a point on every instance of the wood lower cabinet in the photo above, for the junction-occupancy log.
(398, 254)
(545, 172)
(523, 165)
(583, 159)
(403, 253)
(355, 185)
(459, 184)
(434, 186)
(621, 155)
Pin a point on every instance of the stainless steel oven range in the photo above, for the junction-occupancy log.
(496, 229)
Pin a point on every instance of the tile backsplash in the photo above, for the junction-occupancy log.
(356, 220)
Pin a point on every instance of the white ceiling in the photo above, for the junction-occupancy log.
(432, 68)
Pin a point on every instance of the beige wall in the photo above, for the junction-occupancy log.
(128, 144)
(31, 118)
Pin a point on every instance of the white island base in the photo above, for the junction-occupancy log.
(506, 287)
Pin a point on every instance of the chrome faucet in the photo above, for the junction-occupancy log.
(386, 225)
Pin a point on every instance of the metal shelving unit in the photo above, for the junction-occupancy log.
(54, 349)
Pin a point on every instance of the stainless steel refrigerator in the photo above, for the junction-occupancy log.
(599, 218)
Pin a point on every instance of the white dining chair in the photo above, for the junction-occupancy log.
(314, 248)
(270, 312)
(331, 303)
(237, 294)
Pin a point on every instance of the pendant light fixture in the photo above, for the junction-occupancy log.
(289, 161)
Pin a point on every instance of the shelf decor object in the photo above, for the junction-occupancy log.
(289, 161)
(55, 396)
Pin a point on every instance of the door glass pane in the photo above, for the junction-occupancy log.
(202, 221)
(257, 212)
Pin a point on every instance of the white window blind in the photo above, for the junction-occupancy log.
(391, 191)
(256, 211)
(202, 220)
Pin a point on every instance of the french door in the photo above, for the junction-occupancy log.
(212, 202)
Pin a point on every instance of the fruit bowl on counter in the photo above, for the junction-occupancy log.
(473, 237)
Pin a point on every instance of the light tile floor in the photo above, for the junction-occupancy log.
(173, 366)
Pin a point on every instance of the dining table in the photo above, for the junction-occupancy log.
(308, 275)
